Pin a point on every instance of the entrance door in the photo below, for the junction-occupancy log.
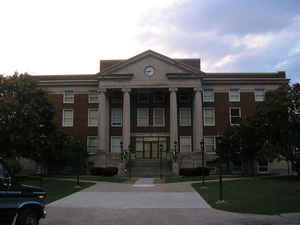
(148, 147)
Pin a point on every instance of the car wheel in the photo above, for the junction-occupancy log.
(27, 217)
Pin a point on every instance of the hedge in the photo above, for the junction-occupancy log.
(189, 172)
(104, 171)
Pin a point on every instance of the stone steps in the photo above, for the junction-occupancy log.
(150, 168)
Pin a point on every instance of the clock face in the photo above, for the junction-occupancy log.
(149, 70)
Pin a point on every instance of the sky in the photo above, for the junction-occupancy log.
(43, 37)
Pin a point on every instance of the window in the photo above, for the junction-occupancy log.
(116, 98)
(93, 97)
(92, 144)
(92, 117)
(185, 98)
(259, 95)
(142, 98)
(142, 118)
(235, 116)
(69, 96)
(185, 117)
(159, 98)
(185, 143)
(68, 118)
(209, 116)
(208, 95)
(115, 144)
(158, 117)
(209, 144)
(116, 117)
(234, 95)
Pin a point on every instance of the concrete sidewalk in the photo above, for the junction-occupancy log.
(162, 204)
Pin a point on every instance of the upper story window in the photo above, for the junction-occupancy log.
(116, 117)
(69, 96)
(158, 117)
(208, 95)
(209, 116)
(67, 118)
(259, 95)
(210, 144)
(92, 117)
(234, 95)
(143, 98)
(115, 144)
(185, 117)
(235, 116)
(185, 98)
(142, 117)
(116, 99)
(93, 97)
(185, 143)
(91, 144)
(159, 98)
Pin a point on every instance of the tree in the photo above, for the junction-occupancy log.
(25, 115)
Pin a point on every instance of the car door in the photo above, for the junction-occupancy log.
(8, 204)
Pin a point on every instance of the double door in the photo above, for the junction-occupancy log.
(149, 147)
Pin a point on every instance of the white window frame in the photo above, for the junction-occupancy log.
(181, 142)
(232, 95)
(93, 122)
(183, 123)
(230, 115)
(259, 97)
(93, 97)
(91, 150)
(214, 145)
(71, 99)
(63, 118)
(111, 144)
(155, 111)
(205, 115)
(208, 98)
(139, 121)
(114, 123)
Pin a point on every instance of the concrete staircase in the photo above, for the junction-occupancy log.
(150, 168)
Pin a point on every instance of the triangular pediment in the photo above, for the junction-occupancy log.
(134, 68)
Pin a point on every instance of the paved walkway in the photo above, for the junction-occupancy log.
(147, 204)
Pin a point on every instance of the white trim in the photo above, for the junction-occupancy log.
(64, 97)
(90, 124)
(257, 97)
(230, 96)
(214, 144)
(111, 143)
(230, 115)
(190, 144)
(138, 121)
(92, 95)
(189, 122)
(116, 125)
(63, 118)
(204, 116)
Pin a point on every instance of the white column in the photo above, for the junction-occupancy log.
(173, 118)
(198, 121)
(126, 118)
(102, 120)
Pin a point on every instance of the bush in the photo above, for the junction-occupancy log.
(14, 166)
(110, 171)
(97, 171)
(189, 172)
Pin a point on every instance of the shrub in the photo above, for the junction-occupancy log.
(110, 171)
(189, 172)
(97, 171)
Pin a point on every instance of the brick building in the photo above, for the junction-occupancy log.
(151, 101)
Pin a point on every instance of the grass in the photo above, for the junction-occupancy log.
(260, 196)
(57, 189)
(197, 178)
(114, 179)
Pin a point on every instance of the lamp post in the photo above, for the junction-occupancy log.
(175, 151)
(219, 141)
(42, 141)
(79, 160)
(160, 160)
(202, 171)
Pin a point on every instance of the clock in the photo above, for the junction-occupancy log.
(149, 70)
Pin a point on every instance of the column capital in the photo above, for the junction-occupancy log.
(126, 90)
(101, 90)
(173, 89)
(197, 89)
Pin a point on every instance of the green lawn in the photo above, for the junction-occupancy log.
(57, 189)
(114, 179)
(186, 179)
(261, 196)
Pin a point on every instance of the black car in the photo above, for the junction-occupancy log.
(19, 204)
